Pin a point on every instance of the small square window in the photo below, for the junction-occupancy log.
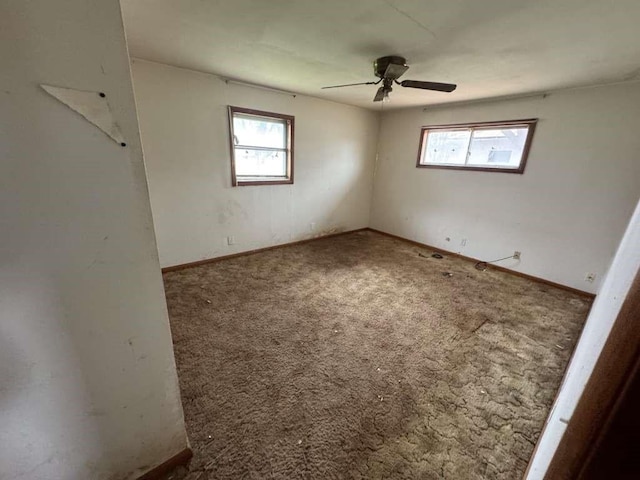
(261, 147)
(489, 147)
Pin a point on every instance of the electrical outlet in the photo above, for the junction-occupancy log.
(463, 242)
(516, 255)
(590, 277)
(312, 226)
(231, 240)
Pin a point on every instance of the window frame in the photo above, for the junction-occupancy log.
(530, 123)
(290, 123)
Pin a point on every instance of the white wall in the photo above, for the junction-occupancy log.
(566, 214)
(603, 314)
(88, 386)
(184, 127)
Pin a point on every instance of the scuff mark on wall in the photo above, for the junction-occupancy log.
(231, 209)
(327, 231)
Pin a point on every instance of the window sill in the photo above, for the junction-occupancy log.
(519, 170)
(245, 182)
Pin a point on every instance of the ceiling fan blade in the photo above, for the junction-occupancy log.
(351, 85)
(379, 95)
(439, 87)
(394, 71)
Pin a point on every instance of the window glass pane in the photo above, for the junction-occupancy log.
(259, 132)
(260, 163)
(497, 147)
(446, 147)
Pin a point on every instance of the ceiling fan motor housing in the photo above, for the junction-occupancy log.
(380, 65)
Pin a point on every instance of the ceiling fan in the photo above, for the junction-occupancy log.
(388, 70)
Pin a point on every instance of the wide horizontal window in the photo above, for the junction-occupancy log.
(261, 147)
(489, 146)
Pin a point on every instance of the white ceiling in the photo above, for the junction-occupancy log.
(490, 48)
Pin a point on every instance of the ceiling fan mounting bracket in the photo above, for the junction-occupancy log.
(381, 64)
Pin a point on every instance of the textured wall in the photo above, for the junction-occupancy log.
(88, 387)
(184, 127)
(566, 213)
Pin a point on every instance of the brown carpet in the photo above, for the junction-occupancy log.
(354, 357)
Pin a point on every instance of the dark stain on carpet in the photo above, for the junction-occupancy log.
(353, 357)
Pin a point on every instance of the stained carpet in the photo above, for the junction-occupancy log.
(353, 357)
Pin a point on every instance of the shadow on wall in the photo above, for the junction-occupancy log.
(43, 392)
